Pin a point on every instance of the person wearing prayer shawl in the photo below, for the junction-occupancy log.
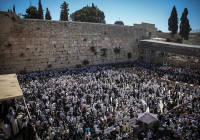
(19, 121)
(7, 130)
(99, 86)
(14, 125)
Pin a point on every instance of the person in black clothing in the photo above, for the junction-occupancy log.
(28, 132)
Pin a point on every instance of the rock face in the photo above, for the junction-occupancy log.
(36, 45)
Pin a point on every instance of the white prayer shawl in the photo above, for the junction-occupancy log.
(47, 110)
(6, 128)
(104, 109)
(15, 127)
(51, 120)
(111, 99)
(68, 118)
(38, 123)
(143, 102)
(94, 112)
(39, 112)
(106, 100)
(19, 120)
(52, 135)
(161, 106)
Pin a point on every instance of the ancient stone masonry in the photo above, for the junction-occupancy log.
(35, 45)
(155, 51)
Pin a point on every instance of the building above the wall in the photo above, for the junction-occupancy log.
(150, 28)
(119, 22)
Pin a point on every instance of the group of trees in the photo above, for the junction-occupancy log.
(184, 25)
(86, 14)
(33, 13)
(94, 14)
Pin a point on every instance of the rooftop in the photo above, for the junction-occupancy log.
(9, 87)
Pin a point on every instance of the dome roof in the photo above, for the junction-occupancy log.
(119, 22)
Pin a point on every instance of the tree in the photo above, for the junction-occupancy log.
(64, 11)
(185, 25)
(89, 14)
(173, 21)
(47, 16)
(14, 9)
(40, 10)
(31, 13)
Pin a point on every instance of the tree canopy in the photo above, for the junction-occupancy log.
(64, 11)
(185, 25)
(88, 14)
(48, 15)
(31, 13)
(40, 10)
(173, 21)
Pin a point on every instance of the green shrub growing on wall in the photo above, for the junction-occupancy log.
(93, 49)
(129, 55)
(23, 71)
(85, 62)
(49, 66)
(78, 66)
(117, 50)
(104, 50)
(161, 54)
(179, 40)
(21, 55)
(8, 45)
(168, 40)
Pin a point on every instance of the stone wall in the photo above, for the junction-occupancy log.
(36, 45)
(194, 39)
(174, 54)
(150, 28)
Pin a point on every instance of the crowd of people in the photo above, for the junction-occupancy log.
(185, 120)
(97, 102)
(14, 121)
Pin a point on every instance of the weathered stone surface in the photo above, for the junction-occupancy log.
(35, 45)
(169, 47)
(32, 45)
(175, 54)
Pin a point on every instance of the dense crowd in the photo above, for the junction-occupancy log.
(14, 120)
(185, 121)
(97, 102)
